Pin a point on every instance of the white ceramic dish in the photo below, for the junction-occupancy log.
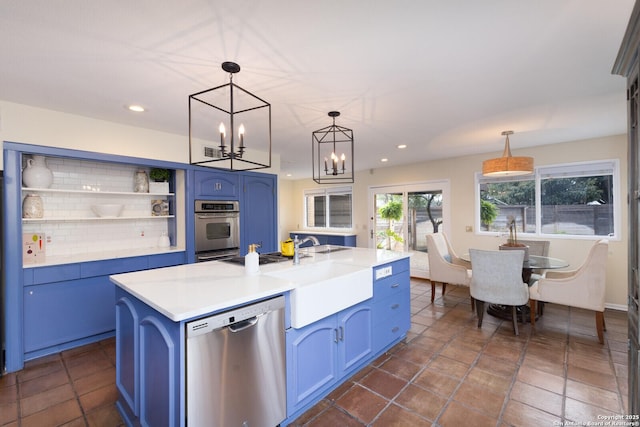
(107, 210)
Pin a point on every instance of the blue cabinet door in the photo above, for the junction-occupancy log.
(148, 364)
(325, 352)
(311, 361)
(216, 185)
(355, 335)
(61, 312)
(258, 212)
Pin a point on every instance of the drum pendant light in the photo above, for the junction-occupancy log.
(507, 165)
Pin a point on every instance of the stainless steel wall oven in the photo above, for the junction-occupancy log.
(217, 229)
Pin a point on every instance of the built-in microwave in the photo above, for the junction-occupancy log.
(217, 229)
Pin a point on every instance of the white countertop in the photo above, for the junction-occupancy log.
(102, 256)
(323, 233)
(191, 290)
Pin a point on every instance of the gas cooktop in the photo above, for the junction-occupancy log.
(267, 258)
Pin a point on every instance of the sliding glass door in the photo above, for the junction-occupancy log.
(401, 216)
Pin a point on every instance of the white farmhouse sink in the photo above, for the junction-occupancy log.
(324, 288)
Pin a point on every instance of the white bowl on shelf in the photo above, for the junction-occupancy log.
(107, 210)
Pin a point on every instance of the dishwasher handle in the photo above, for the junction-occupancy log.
(244, 324)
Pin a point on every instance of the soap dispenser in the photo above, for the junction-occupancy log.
(251, 261)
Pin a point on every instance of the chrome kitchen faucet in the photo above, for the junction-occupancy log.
(297, 243)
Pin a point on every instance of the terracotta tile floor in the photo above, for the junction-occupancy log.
(447, 373)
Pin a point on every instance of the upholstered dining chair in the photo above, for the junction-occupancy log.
(583, 287)
(444, 265)
(497, 279)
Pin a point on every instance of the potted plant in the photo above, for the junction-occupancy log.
(159, 180)
(512, 240)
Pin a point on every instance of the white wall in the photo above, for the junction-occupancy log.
(31, 125)
(460, 171)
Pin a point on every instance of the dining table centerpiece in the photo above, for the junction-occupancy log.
(512, 240)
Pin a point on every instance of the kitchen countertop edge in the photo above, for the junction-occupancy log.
(193, 290)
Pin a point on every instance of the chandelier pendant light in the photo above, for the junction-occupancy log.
(332, 153)
(507, 165)
(218, 118)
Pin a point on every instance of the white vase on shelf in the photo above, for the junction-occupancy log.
(36, 173)
(163, 240)
(32, 206)
(141, 182)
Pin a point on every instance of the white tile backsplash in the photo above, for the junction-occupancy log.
(79, 237)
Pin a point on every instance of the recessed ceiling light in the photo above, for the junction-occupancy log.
(136, 108)
(289, 174)
(401, 146)
(384, 160)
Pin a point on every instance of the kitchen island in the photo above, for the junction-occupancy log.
(329, 336)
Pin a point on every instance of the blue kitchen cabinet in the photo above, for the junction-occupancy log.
(62, 312)
(149, 365)
(392, 303)
(216, 185)
(320, 355)
(50, 307)
(258, 212)
(151, 351)
(327, 238)
(71, 304)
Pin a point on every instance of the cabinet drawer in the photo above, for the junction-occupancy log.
(390, 330)
(113, 266)
(167, 260)
(55, 273)
(392, 305)
(383, 288)
(386, 270)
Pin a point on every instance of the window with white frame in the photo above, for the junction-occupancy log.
(328, 208)
(576, 199)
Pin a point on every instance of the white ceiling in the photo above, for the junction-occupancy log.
(444, 77)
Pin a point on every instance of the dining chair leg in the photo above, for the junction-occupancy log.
(433, 289)
(514, 318)
(473, 304)
(600, 326)
(532, 311)
(480, 311)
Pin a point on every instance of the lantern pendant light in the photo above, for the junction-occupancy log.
(332, 153)
(229, 127)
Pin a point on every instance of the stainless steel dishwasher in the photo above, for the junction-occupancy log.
(236, 367)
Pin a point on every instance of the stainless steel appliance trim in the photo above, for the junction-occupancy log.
(217, 206)
(209, 212)
(221, 255)
(235, 367)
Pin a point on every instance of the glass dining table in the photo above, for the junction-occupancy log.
(535, 262)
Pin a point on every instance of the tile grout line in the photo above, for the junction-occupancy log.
(73, 387)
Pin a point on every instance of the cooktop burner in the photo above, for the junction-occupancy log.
(263, 259)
